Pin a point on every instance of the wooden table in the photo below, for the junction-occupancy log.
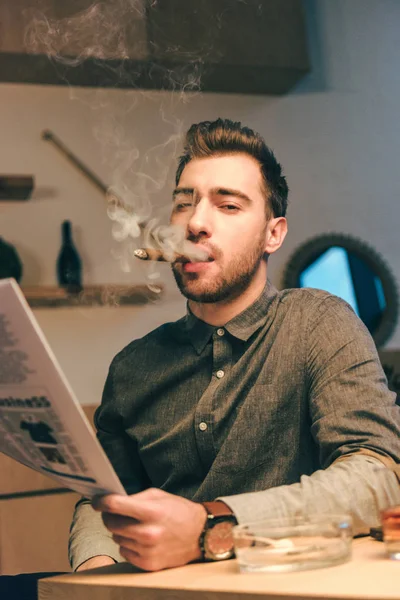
(369, 575)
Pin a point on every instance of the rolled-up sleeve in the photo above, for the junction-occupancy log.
(89, 537)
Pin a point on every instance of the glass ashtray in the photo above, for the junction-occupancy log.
(293, 544)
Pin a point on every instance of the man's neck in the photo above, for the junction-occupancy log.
(219, 313)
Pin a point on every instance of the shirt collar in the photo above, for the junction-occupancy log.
(242, 326)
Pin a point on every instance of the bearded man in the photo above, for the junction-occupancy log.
(256, 404)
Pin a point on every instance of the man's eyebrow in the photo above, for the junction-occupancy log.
(182, 190)
(219, 191)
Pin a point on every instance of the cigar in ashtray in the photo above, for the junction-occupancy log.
(161, 256)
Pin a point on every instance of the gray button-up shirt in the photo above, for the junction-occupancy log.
(285, 409)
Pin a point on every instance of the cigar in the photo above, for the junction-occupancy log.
(150, 254)
(158, 255)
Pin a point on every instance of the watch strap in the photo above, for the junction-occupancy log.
(217, 508)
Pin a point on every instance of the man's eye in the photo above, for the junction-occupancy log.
(230, 207)
(183, 205)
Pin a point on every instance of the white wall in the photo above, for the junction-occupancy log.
(337, 135)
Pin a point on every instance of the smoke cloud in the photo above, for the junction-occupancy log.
(112, 37)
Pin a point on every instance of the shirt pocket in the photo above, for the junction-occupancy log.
(252, 439)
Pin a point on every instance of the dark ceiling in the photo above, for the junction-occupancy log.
(237, 46)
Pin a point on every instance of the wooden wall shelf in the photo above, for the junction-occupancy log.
(92, 295)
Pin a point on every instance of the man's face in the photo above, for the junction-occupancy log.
(220, 203)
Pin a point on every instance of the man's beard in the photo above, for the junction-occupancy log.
(226, 286)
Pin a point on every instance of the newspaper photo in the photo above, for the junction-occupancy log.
(42, 425)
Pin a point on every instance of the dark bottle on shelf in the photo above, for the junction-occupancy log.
(69, 265)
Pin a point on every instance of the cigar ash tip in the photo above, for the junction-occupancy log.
(141, 253)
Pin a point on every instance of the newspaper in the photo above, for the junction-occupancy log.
(42, 425)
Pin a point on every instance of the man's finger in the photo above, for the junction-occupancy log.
(143, 533)
(129, 555)
(144, 563)
(133, 544)
(118, 523)
(135, 506)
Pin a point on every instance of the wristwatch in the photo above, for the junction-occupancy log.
(216, 539)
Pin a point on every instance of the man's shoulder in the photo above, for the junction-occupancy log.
(309, 298)
(162, 337)
(312, 303)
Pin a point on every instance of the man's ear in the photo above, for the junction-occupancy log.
(276, 233)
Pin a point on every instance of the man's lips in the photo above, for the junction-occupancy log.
(194, 267)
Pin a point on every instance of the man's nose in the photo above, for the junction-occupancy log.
(199, 223)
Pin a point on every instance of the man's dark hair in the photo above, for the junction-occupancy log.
(223, 136)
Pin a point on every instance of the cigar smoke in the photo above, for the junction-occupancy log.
(163, 243)
(70, 33)
(112, 36)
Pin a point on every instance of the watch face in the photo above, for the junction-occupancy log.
(219, 541)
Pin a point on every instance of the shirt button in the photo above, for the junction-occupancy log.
(220, 374)
(220, 332)
(202, 426)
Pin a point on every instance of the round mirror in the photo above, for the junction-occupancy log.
(349, 268)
